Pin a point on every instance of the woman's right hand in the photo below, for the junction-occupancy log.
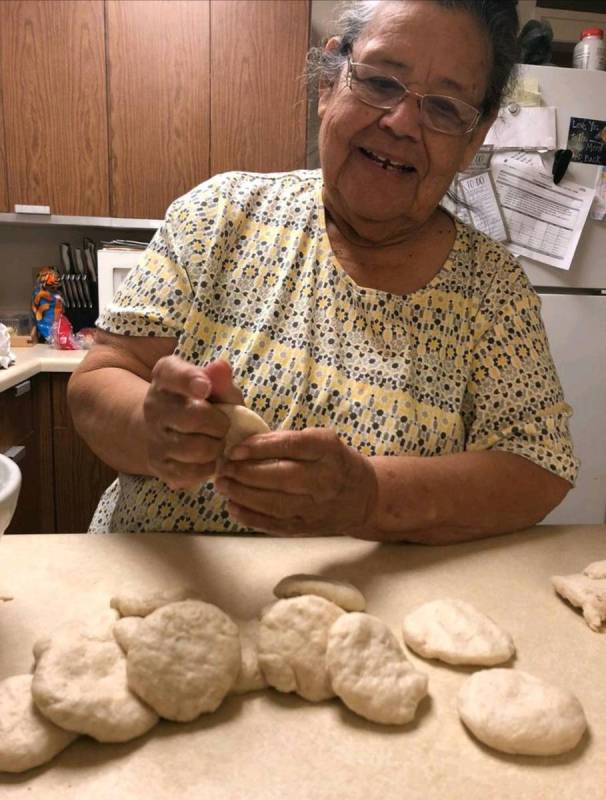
(184, 432)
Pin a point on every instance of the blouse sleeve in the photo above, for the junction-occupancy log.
(157, 295)
(514, 401)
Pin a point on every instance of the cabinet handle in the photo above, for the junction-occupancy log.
(16, 453)
(23, 388)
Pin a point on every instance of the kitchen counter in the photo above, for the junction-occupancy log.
(272, 745)
(38, 358)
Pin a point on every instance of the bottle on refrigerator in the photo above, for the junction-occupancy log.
(590, 51)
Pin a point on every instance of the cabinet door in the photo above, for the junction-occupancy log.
(259, 100)
(4, 206)
(80, 477)
(158, 62)
(25, 435)
(52, 57)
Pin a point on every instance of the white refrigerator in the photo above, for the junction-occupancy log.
(574, 303)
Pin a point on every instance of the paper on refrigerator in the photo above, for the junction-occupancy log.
(483, 205)
(523, 128)
(544, 220)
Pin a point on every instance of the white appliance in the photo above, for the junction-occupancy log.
(574, 303)
(113, 265)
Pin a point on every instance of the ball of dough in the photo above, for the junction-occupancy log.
(250, 678)
(27, 739)
(370, 672)
(183, 659)
(140, 603)
(343, 594)
(292, 645)
(80, 684)
(515, 712)
(595, 570)
(456, 632)
(586, 593)
(242, 423)
(125, 630)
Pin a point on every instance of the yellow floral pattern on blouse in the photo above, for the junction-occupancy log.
(242, 269)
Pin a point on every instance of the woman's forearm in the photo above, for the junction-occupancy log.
(107, 409)
(447, 499)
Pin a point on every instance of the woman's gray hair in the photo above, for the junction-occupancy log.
(499, 19)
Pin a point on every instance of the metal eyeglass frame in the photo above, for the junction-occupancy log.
(405, 92)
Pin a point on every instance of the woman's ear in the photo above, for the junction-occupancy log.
(324, 87)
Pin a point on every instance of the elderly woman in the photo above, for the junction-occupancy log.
(397, 355)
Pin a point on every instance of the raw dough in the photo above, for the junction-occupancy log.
(515, 712)
(137, 603)
(456, 632)
(80, 684)
(370, 672)
(125, 630)
(341, 593)
(250, 678)
(596, 570)
(183, 659)
(27, 739)
(586, 593)
(292, 645)
(242, 423)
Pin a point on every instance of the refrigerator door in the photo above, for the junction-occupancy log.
(576, 327)
(575, 93)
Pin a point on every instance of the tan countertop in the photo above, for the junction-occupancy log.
(269, 745)
(38, 358)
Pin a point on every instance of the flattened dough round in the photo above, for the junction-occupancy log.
(343, 594)
(456, 632)
(369, 670)
(80, 684)
(242, 423)
(292, 645)
(515, 712)
(183, 659)
(586, 593)
(140, 603)
(250, 678)
(27, 739)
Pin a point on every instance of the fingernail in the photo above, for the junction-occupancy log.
(239, 453)
(200, 387)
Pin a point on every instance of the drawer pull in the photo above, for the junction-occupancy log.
(16, 454)
(23, 388)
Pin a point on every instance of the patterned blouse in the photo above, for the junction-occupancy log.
(242, 269)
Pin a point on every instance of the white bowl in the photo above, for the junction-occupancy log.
(10, 485)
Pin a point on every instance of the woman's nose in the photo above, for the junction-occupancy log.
(404, 119)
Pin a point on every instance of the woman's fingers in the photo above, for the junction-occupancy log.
(174, 375)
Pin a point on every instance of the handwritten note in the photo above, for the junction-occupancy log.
(587, 140)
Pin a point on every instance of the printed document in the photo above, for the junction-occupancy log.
(544, 221)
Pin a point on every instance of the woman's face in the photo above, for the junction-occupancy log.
(432, 50)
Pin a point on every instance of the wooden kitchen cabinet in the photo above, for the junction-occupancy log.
(25, 436)
(159, 99)
(79, 476)
(4, 206)
(53, 83)
(62, 480)
(259, 99)
(117, 107)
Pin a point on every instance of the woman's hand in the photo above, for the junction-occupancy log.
(298, 483)
(184, 432)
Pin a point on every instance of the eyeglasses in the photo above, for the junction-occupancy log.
(438, 112)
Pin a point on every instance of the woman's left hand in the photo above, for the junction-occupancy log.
(298, 483)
